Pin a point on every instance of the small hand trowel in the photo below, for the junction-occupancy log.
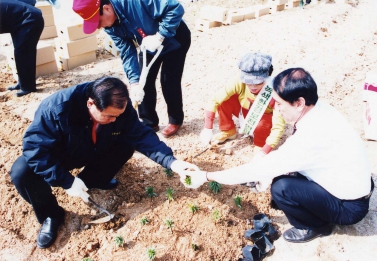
(104, 219)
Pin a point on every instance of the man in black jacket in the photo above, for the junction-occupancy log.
(25, 24)
(91, 125)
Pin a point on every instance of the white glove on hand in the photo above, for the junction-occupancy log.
(261, 185)
(78, 189)
(152, 42)
(198, 178)
(137, 94)
(180, 166)
(259, 155)
(206, 136)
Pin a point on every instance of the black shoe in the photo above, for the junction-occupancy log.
(48, 232)
(14, 88)
(296, 235)
(111, 185)
(22, 93)
(156, 128)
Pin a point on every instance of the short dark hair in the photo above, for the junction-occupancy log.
(294, 83)
(108, 91)
(103, 2)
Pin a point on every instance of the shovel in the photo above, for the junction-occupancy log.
(145, 69)
(210, 146)
(104, 219)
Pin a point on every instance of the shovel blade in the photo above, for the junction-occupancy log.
(102, 220)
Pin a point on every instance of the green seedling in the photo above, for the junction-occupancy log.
(193, 208)
(169, 194)
(150, 192)
(168, 173)
(170, 224)
(119, 241)
(188, 180)
(151, 252)
(194, 247)
(216, 215)
(238, 200)
(214, 186)
(144, 220)
(87, 259)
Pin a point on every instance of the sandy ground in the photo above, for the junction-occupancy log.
(336, 43)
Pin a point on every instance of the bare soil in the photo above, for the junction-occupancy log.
(337, 43)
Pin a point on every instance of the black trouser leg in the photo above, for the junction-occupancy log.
(25, 38)
(35, 191)
(172, 65)
(147, 109)
(171, 75)
(308, 205)
(103, 168)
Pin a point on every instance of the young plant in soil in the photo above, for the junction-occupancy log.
(169, 194)
(87, 259)
(214, 186)
(144, 220)
(238, 200)
(193, 208)
(194, 247)
(168, 173)
(151, 252)
(216, 215)
(170, 224)
(188, 180)
(150, 192)
(119, 241)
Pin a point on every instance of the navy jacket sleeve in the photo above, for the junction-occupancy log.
(145, 140)
(39, 143)
(128, 54)
(169, 13)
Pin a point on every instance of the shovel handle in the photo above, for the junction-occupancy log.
(98, 206)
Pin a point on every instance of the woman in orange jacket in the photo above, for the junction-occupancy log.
(237, 98)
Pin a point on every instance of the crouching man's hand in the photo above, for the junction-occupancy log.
(78, 189)
(180, 166)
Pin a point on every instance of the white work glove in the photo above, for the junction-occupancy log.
(198, 178)
(78, 189)
(152, 42)
(261, 185)
(137, 94)
(180, 166)
(258, 156)
(206, 136)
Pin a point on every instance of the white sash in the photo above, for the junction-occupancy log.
(257, 109)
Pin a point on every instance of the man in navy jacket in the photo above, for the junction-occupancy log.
(91, 125)
(150, 24)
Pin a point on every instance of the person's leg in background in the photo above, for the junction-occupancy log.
(147, 108)
(38, 193)
(100, 172)
(25, 37)
(263, 130)
(171, 76)
(226, 110)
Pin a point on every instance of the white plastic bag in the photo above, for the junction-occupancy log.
(370, 106)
